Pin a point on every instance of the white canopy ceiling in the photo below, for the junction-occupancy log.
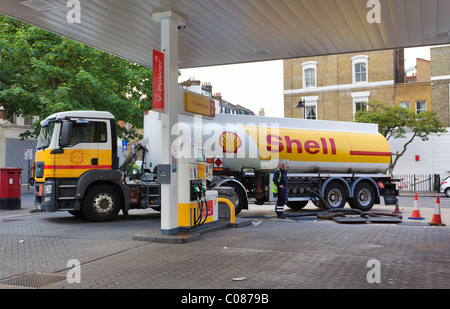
(236, 31)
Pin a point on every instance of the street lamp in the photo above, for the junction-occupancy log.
(302, 104)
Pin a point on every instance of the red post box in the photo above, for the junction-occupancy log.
(10, 188)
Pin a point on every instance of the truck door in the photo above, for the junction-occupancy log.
(90, 148)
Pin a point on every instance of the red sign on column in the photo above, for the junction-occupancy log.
(158, 81)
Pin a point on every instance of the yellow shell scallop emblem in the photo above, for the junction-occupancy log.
(230, 142)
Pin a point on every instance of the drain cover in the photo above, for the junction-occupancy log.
(33, 280)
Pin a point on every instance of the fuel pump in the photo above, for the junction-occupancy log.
(197, 205)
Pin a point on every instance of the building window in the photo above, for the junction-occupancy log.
(360, 100)
(310, 78)
(311, 112)
(310, 109)
(405, 104)
(309, 74)
(360, 69)
(361, 106)
(421, 106)
(360, 72)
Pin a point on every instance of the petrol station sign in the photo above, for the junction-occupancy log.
(198, 104)
(158, 81)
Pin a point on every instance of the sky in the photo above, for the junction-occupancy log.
(260, 84)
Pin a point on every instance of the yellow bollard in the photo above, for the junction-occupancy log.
(228, 202)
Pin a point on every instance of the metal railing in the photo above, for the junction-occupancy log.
(418, 182)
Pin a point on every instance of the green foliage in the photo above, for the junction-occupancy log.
(394, 122)
(42, 73)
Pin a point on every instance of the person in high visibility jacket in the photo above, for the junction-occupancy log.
(281, 182)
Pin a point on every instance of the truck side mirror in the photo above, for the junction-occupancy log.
(66, 134)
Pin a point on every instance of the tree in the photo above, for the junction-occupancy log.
(394, 122)
(42, 73)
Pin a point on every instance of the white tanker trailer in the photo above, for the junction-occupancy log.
(338, 161)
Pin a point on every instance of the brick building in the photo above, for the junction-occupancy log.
(440, 82)
(335, 87)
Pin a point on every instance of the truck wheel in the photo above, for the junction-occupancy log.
(101, 204)
(239, 196)
(335, 195)
(364, 197)
(297, 205)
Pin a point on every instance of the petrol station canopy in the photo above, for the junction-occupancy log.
(237, 31)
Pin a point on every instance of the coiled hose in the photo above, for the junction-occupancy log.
(331, 213)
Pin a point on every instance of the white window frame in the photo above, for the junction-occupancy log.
(360, 59)
(360, 97)
(311, 102)
(420, 111)
(309, 65)
(404, 103)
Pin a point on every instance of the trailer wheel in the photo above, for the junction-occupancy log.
(335, 195)
(364, 197)
(101, 204)
(239, 196)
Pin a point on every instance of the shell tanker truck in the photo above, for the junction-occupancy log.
(78, 166)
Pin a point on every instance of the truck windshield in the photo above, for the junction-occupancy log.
(45, 137)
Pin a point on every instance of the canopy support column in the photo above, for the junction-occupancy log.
(169, 46)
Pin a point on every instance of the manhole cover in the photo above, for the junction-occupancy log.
(33, 280)
(350, 220)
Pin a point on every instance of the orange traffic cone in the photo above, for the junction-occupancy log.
(397, 210)
(416, 212)
(436, 220)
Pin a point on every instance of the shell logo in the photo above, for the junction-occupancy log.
(230, 142)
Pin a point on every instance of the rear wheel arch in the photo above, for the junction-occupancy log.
(239, 189)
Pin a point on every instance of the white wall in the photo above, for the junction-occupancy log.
(434, 155)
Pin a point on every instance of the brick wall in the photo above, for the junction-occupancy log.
(337, 70)
(440, 71)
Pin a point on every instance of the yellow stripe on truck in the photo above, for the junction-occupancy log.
(73, 162)
(320, 146)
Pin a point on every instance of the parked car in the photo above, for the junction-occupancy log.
(445, 186)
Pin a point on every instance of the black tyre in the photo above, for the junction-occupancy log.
(335, 195)
(101, 204)
(240, 197)
(297, 205)
(78, 214)
(363, 197)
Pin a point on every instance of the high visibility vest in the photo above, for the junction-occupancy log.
(274, 186)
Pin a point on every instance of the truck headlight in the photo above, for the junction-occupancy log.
(47, 189)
